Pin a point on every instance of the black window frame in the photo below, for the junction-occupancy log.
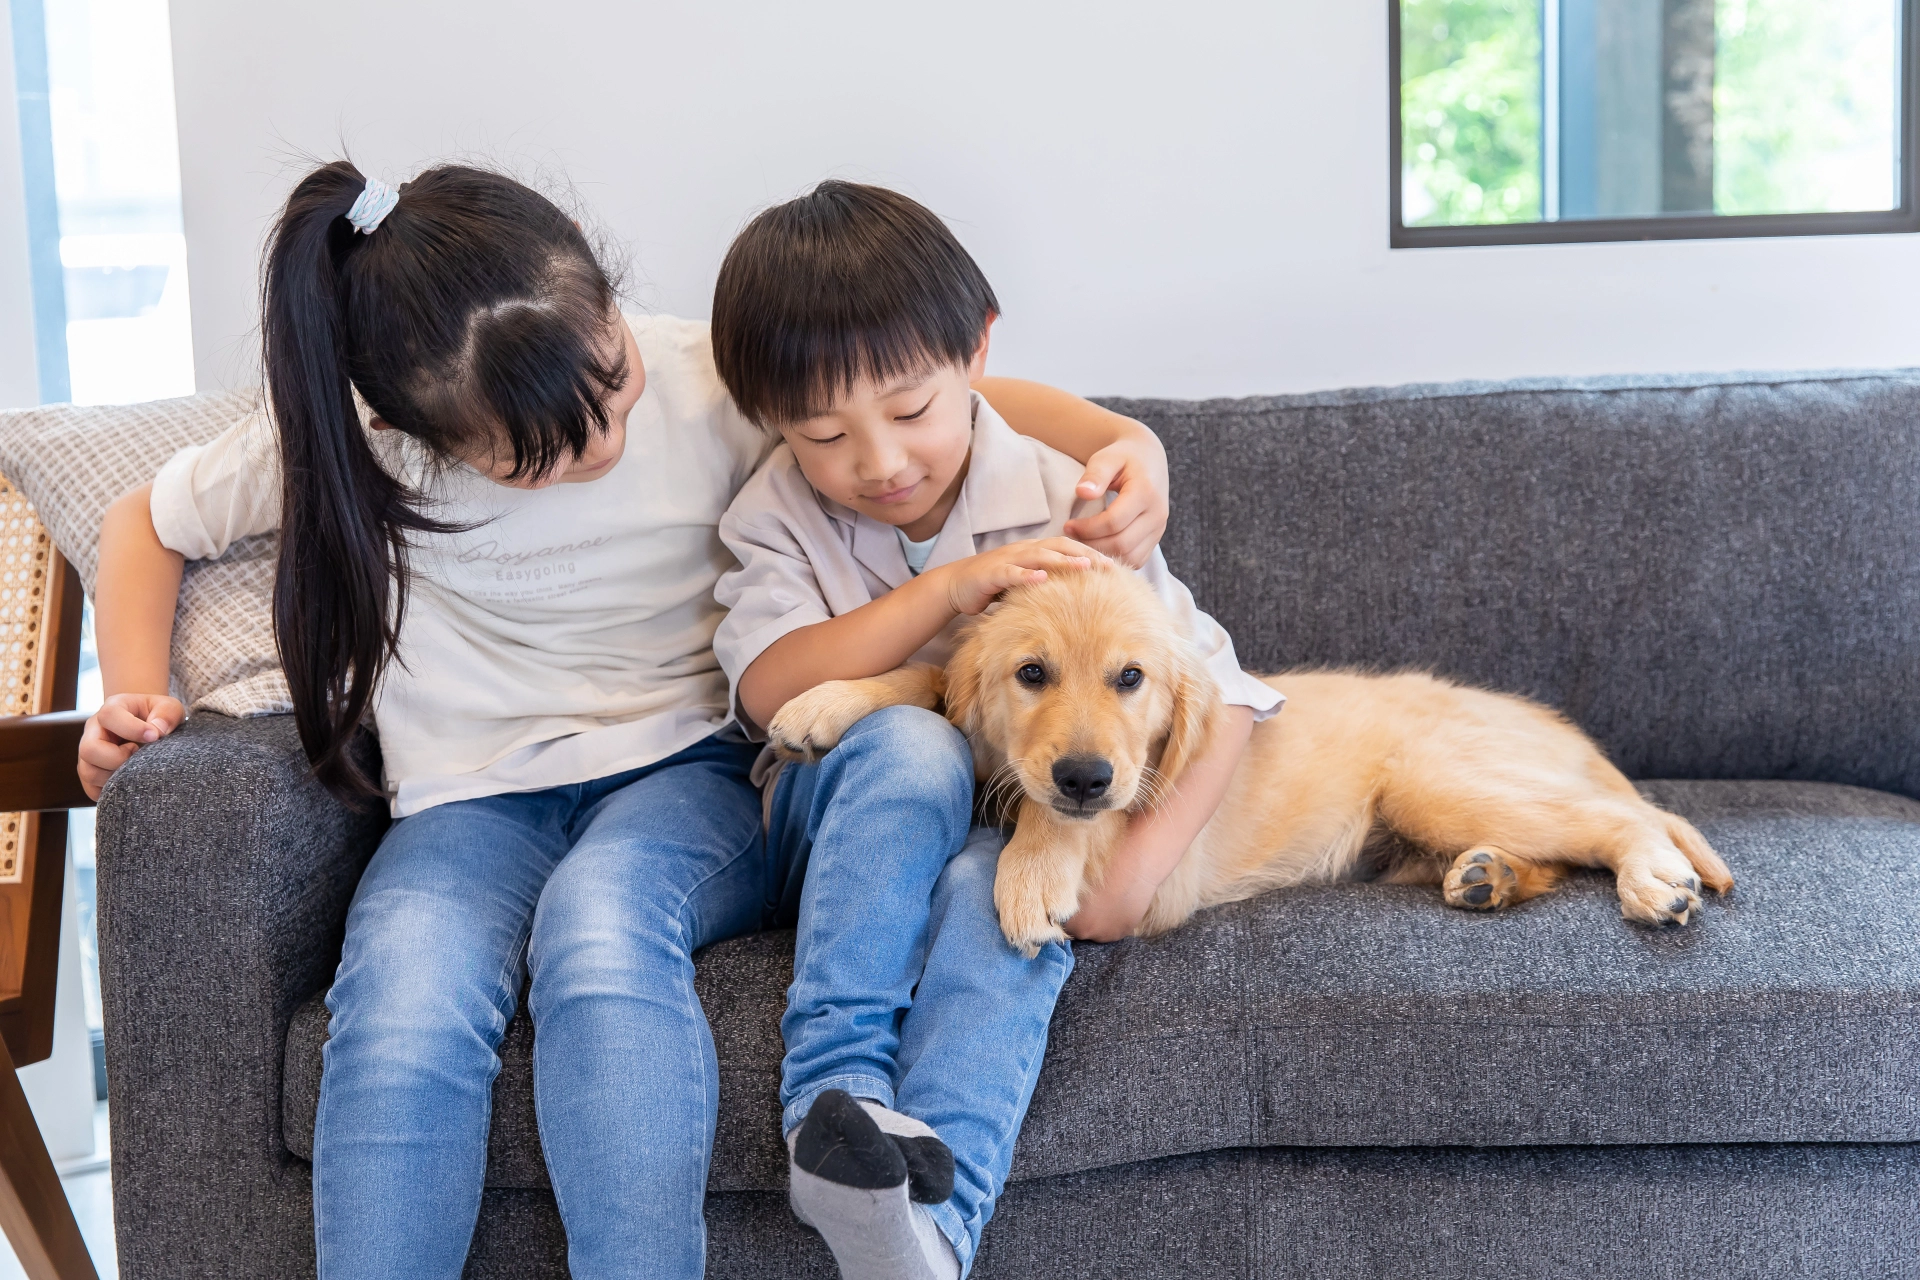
(1678, 226)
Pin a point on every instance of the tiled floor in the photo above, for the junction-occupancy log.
(91, 1195)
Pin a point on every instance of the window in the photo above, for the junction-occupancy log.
(1534, 121)
(102, 170)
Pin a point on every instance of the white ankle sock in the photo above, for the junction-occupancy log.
(875, 1232)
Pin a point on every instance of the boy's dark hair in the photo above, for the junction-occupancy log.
(475, 316)
(848, 280)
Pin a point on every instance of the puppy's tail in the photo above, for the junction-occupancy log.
(1712, 870)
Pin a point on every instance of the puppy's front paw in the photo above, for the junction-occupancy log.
(1025, 918)
(1027, 933)
(812, 724)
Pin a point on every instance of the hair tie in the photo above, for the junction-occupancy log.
(373, 206)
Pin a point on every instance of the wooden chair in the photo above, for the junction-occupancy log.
(40, 597)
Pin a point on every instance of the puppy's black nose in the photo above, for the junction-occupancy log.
(1082, 778)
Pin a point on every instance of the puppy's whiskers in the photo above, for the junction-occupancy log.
(1000, 794)
(1154, 789)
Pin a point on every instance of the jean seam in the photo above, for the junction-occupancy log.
(948, 1219)
(509, 973)
(951, 1222)
(690, 1005)
(688, 917)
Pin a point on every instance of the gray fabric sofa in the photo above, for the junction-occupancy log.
(1719, 577)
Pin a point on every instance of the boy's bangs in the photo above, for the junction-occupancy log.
(830, 364)
(807, 355)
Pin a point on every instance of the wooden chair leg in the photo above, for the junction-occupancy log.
(33, 1205)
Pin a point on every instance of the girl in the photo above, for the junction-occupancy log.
(509, 571)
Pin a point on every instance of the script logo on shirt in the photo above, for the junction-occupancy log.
(549, 570)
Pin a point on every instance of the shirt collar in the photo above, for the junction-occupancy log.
(1003, 489)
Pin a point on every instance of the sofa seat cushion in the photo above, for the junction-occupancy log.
(1372, 1015)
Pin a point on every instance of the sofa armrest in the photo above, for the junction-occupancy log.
(225, 872)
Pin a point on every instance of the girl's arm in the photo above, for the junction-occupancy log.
(134, 598)
(1120, 454)
(1157, 838)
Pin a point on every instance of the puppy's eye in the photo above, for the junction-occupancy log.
(1131, 678)
(1031, 674)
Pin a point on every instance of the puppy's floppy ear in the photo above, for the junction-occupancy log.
(962, 680)
(1195, 696)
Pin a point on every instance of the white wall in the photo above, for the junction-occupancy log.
(1183, 199)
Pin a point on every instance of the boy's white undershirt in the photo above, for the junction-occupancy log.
(917, 553)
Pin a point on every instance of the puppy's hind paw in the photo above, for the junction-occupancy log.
(1481, 879)
(1668, 895)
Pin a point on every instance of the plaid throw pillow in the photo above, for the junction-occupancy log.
(72, 461)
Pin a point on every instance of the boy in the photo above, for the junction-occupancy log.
(850, 321)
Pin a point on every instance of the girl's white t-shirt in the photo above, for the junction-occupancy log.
(568, 635)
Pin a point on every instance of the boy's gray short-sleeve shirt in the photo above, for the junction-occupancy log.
(804, 558)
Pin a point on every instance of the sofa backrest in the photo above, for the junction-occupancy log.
(1717, 577)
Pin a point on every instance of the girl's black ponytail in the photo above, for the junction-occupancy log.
(411, 317)
(342, 578)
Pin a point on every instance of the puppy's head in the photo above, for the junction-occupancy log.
(1083, 691)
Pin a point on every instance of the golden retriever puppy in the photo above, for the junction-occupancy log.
(1083, 702)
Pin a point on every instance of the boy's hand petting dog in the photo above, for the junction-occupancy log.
(972, 584)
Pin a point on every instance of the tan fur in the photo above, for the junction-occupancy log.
(836, 706)
(1479, 788)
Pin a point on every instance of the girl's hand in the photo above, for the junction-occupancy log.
(973, 583)
(124, 723)
(1130, 528)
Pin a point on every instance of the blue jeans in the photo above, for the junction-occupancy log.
(599, 893)
(904, 989)
(604, 889)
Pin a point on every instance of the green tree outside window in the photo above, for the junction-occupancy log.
(1470, 111)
